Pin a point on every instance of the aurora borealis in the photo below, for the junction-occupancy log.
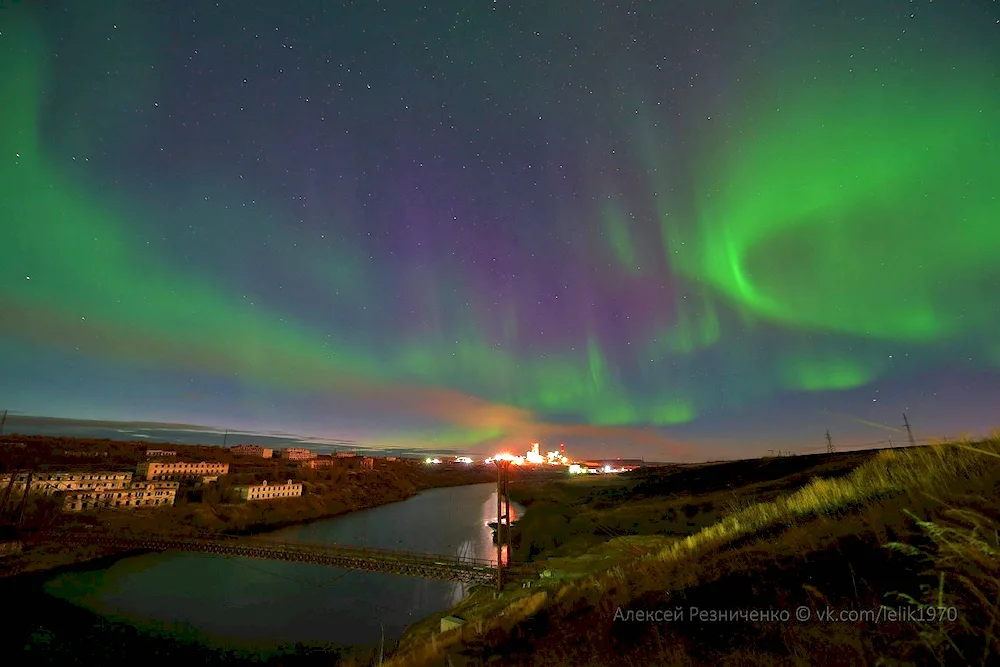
(647, 228)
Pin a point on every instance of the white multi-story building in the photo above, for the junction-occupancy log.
(265, 491)
(138, 494)
(49, 483)
(153, 453)
(296, 454)
(154, 470)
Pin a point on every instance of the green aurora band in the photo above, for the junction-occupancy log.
(79, 280)
(864, 203)
(809, 216)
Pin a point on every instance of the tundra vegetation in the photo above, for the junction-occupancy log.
(844, 534)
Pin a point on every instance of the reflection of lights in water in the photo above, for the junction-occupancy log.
(486, 548)
(505, 555)
(467, 550)
(459, 592)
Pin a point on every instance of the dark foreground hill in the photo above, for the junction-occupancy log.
(868, 558)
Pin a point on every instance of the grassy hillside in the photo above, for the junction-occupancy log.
(833, 535)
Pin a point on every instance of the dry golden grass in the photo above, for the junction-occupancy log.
(962, 564)
(959, 555)
(919, 470)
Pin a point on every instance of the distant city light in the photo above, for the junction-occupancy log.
(533, 457)
(463, 459)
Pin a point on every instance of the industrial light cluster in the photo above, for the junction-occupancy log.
(583, 470)
(533, 457)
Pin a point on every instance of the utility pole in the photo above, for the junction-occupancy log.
(909, 433)
(3, 420)
(829, 443)
(6, 495)
(24, 501)
(225, 438)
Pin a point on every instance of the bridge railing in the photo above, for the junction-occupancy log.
(299, 547)
(319, 548)
(379, 551)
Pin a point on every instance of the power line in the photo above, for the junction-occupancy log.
(24, 501)
(909, 433)
(7, 492)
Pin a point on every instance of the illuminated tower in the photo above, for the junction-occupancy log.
(562, 449)
(534, 448)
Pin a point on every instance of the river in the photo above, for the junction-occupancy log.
(261, 605)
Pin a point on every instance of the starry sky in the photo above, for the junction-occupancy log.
(673, 229)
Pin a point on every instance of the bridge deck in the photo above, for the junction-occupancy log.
(371, 559)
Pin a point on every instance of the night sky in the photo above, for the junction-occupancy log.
(675, 229)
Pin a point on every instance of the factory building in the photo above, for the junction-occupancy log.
(49, 483)
(154, 470)
(616, 465)
(265, 491)
(138, 494)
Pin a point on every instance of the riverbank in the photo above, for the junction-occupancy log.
(208, 510)
(730, 549)
(53, 631)
(264, 602)
(281, 603)
(325, 500)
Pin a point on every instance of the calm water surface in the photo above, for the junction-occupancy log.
(262, 604)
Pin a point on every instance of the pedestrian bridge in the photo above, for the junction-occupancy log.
(369, 559)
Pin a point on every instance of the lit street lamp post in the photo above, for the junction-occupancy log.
(503, 513)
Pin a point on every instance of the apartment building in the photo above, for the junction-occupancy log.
(253, 450)
(50, 482)
(321, 461)
(156, 470)
(345, 455)
(154, 453)
(296, 454)
(138, 494)
(367, 463)
(265, 491)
